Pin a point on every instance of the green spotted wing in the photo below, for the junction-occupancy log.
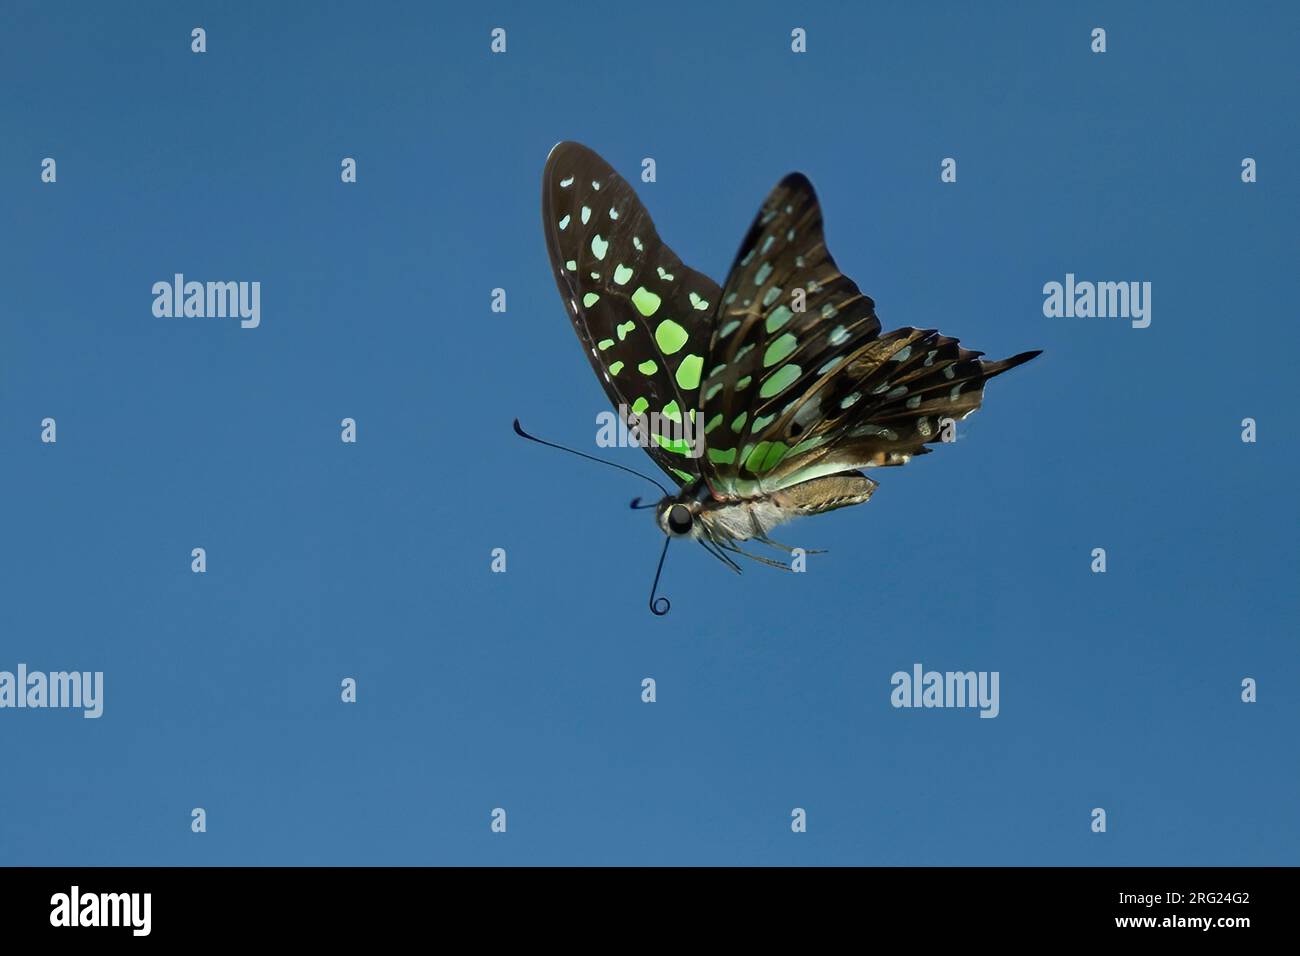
(800, 381)
(644, 319)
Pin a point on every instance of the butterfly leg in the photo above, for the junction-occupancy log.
(756, 557)
(785, 547)
(713, 550)
(758, 534)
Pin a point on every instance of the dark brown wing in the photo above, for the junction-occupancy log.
(801, 382)
(643, 318)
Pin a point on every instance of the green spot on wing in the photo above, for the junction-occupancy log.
(616, 368)
(605, 344)
(807, 445)
(688, 373)
(678, 446)
(669, 336)
(598, 247)
(779, 317)
(621, 274)
(590, 299)
(648, 367)
(646, 302)
(673, 412)
(783, 379)
(640, 405)
(774, 456)
(779, 349)
(624, 329)
(698, 303)
(766, 456)
(722, 456)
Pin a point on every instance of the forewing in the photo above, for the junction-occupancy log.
(643, 318)
(787, 320)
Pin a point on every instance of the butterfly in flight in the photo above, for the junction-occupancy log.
(763, 399)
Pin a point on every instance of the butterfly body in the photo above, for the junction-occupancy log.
(767, 395)
(742, 519)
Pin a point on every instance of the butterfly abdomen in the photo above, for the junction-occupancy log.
(741, 520)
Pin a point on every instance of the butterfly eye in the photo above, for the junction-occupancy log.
(679, 519)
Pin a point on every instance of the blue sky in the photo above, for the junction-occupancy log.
(522, 690)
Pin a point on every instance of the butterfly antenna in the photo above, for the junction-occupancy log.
(657, 602)
(519, 430)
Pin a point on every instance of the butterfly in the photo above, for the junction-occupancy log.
(762, 399)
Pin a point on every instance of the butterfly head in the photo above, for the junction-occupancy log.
(677, 518)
